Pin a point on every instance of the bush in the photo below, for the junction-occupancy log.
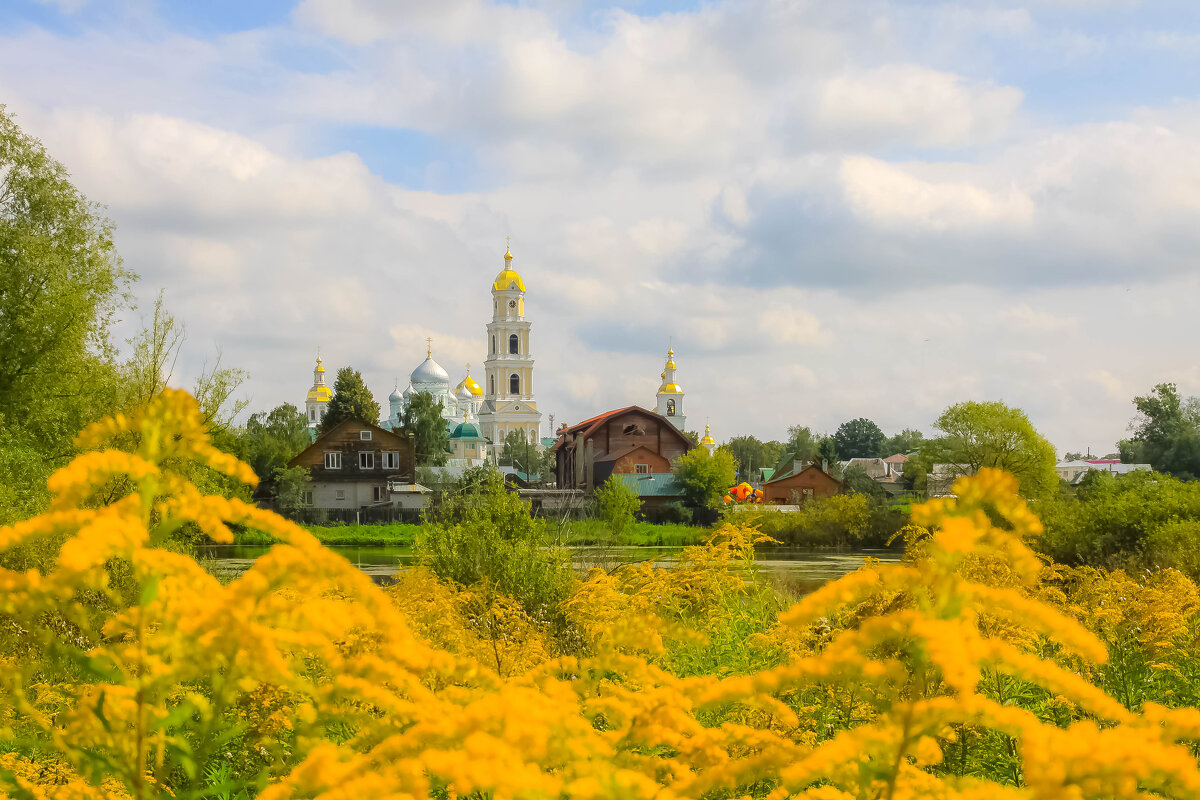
(617, 505)
(840, 520)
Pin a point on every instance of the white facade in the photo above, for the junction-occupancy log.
(508, 401)
(670, 395)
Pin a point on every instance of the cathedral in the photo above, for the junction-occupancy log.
(506, 405)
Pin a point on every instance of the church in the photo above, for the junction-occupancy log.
(503, 404)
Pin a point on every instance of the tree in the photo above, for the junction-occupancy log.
(705, 478)
(520, 453)
(857, 481)
(1166, 432)
(827, 452)
(977, 435)
(422, 419)
(749, 454)
(802, 443)
(904, 442)
(290, 486)
(351, 400)
(859, 438)
(617, 505)
(271, 438)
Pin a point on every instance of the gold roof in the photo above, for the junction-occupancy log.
(320, 394)
(670, 388)
(507, 279)
(707, 440)
(471, 385)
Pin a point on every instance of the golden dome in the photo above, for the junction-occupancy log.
(471, 385)
(507, 279)
(707, 440)
(320, 366)
(670, 388)
(671, 359)
(321, 394)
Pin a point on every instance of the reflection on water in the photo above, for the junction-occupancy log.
(798, 570)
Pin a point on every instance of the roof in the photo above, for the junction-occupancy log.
(767, 472)
(792, 472)
(622, 453)
(466, 431)
(899, 458)
(656, 484)
(592, 423)
(548, 441)
(874, 467)
(358, 422)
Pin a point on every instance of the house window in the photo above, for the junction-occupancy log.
(514, 384)
(642, 469)
(378, 493)
(366, 460)
(389, 459)
(364, 436)
(339, 494)
(306, 498)
(333, 460)
(670, 408)
(513, 344)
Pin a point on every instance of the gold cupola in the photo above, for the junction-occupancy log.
(508, 277)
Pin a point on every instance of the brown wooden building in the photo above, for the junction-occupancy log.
(799, 483)
(350, 465)
(628, 441)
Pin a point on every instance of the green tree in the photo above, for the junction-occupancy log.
(904, 442)
(351, 400)
(617, 504)
(520, 453)
(802, 443)
(827, 453)
(422, 419)
(290, 486)
(750, 454)
(61, 283)
(1166, 432)
(977, 435)
(271, 438)
(705, 478)
(859, 438)
(857, 480)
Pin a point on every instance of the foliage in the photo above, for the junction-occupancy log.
(827, 452)
(802, 443)
(617, 505)
(840, 519)
(351, 400)
(1138, 520)
(704, 477)
(422, 419)
(859, 438)
(484, 536)
(1166, 433)
(961, 673)
(975, 436)
(521, 453)
(855, 479)
(290, 485)
(904, 442)
(750, 454)
(271, 438)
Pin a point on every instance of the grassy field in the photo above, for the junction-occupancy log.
(582, 533)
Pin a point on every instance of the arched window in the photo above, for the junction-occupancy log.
(491, 384)
(514, 384)
(514, 344)
(493, 344)
(670, 408)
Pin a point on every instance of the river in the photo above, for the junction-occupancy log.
(798, 569)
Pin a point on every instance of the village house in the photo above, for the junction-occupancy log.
(352, 465)
(798, 483)
(627, 441)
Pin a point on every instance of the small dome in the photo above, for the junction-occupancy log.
(469, 388)
(320, 394)
(707, 440)
(670, 388)
(429, 371)
(466, 430)
(395, 396)
(409, 392)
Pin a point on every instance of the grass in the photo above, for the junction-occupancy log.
(582, 533)
(396, 534)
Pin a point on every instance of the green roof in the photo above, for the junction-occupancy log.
(655, 484)
(767, 472)
(466, 430)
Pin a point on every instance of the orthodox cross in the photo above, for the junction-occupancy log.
(428, 347)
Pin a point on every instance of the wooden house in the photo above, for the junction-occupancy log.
(797, 483)
(627, 441)
(351, 465)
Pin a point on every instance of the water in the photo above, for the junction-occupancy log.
(797, 569)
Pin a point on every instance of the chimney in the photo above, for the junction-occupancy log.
(824, 465)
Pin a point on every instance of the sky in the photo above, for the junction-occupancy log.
(832, 210)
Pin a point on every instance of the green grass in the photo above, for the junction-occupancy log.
(396, 534)
(645, 534)
(582, 533)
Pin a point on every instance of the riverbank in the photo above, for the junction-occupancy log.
(580, 533)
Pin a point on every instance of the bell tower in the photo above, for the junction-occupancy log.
(670, 394)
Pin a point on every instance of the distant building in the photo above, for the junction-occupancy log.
(317, 401)
(468, 447)
(1073, 471)
(625, 441)
(670, 395)
(798, 483)
(352, 464)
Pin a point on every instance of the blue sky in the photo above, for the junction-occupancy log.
(871, 208)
